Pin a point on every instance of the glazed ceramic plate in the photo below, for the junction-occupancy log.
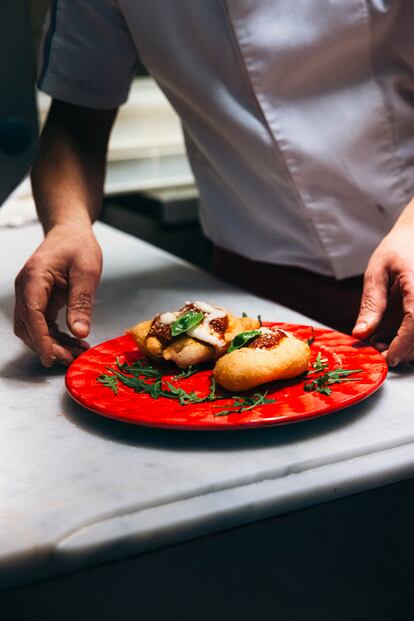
(292, 404)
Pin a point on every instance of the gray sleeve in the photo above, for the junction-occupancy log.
(88, 55)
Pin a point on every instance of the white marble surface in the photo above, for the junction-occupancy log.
(78, 489)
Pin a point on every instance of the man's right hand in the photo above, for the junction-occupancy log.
(63, 271)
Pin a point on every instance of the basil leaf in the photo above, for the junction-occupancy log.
(189, 320)
(241, 339)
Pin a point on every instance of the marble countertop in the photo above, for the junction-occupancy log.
(78, 489)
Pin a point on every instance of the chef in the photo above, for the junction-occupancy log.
(299, 124)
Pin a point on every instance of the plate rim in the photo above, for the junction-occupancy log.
(242, 425)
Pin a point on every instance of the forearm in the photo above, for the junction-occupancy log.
(68, 174)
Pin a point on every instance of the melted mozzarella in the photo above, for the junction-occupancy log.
(204, 332)
(168, 318)
(212, 311)
(270, 330)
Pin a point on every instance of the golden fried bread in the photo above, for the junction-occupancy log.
(239, 324)
(207, 340)
(140, 333)
(273, 355)
(186, 351)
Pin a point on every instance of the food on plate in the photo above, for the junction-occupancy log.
(196, 333)
(246, 354)
(261, 356)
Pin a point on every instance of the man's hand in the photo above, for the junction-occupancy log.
(64, 270)
(387, 305)
(67, 181)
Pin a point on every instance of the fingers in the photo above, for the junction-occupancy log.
(81, 292)
(373, 302)
(401, 348)
(32, 295)
(66, 348)
(57, 301)
(21, 332)
(65, 269)
(66, 339)
(36, 304)
(380, 342)
(389, 286)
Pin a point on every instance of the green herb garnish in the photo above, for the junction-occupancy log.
(320, 363)
(242, 404)
(323, 382)
(145, 379)
(186, 373)
(188, 320)
(311, 339)
(110, 381)
(139, 369)
(212, 394)
(241, 339)
(182, 395)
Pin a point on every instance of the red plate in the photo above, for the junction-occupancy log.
(292, 403)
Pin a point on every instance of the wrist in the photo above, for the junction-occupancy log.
(69, 228)
(73, 240)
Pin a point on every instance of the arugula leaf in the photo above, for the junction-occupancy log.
(110, 381)
(144, 379)
(322, 383)
(311, 339)
(186, 373)
(138, 369)
(242, 404)
(133, 382)
(343, 372)
(212, 394)
(183, 396)
(241, 339)
(320, 363)
(188, 320)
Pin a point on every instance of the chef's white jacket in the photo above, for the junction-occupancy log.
(298, 115)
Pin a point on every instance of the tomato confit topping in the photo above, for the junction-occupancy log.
(160, 330)
(268, 339)
(219, 324)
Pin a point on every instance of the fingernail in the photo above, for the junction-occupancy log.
(393, 362)
(80, 325)
(360, 327)
(48, 363)
(380, 346)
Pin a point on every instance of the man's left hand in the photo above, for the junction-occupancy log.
(387, 307)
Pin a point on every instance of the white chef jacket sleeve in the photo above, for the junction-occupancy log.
(88, 56)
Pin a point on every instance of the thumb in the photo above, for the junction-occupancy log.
(373, 302)
(81, 293)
